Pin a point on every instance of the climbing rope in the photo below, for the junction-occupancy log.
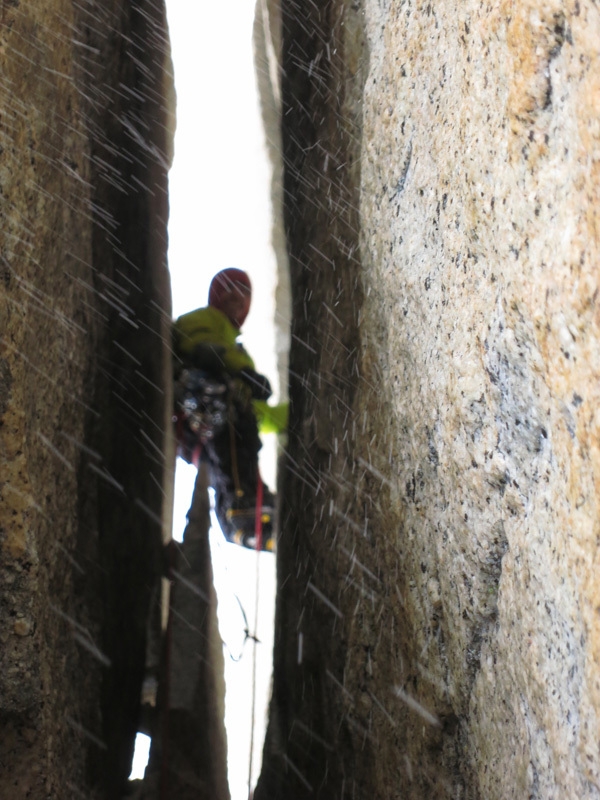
(258, 536)
(233, 450)
(164, 765)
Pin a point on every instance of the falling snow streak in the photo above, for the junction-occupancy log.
(324, 599)
(415, 706)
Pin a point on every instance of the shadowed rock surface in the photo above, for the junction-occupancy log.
(84, 389)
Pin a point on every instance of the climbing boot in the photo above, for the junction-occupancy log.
(242, 523)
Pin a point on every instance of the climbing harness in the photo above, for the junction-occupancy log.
(201, 411)
(204, 405)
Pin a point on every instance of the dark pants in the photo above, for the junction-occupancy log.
(232, 456)
(226, 440)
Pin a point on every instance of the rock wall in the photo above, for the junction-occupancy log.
(84, 398)
(437, 630)
(267, 59)
(438, 619)
(188, 758)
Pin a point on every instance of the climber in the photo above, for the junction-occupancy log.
(205, 344)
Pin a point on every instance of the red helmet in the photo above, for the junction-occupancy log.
(230, 292)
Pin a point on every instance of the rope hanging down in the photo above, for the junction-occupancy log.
(258, 534)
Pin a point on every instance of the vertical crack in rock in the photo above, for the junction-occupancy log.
(486, 616)
(321, 166)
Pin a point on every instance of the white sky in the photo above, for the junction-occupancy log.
(220, 216)
(219, 182)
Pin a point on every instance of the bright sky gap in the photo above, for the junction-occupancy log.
(220, 217)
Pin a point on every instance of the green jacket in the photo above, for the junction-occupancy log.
(211, 327)
(208, 326)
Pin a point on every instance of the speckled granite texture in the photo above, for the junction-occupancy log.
(439, 616)
(479, 231)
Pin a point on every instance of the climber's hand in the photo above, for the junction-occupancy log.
(259, 384)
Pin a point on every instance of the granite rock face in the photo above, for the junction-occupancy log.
(439, 618)
(188, 759)
(84, 311)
